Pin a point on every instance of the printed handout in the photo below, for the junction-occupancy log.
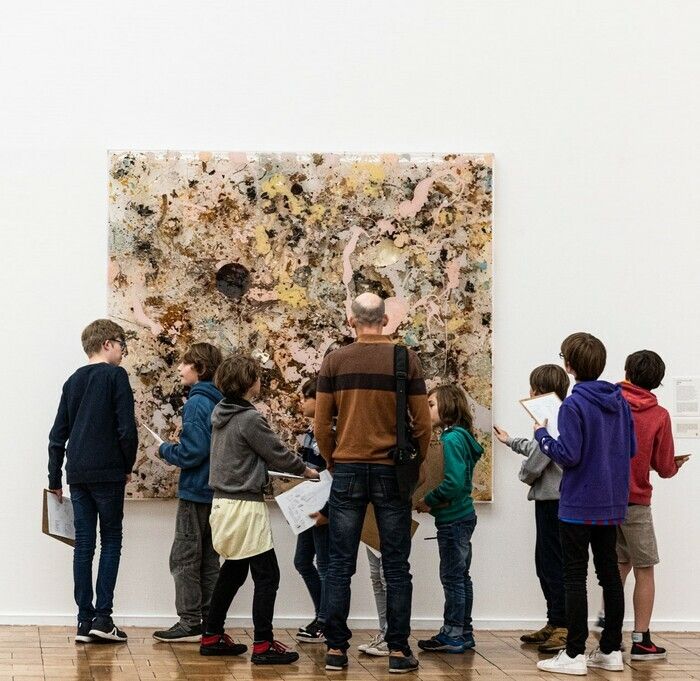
(307, 497)
(544, 407)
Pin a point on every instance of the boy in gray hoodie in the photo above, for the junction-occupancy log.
(243, 447)
(544, 476)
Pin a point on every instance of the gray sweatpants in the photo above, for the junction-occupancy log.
(194, 564)
(376, 575)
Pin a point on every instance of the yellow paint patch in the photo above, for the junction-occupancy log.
(262, 242)
(291, 293)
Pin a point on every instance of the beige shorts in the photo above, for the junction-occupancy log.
(636, 541)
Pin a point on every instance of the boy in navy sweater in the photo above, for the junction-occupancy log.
(194, 564)
(96, 419)
(595, 444)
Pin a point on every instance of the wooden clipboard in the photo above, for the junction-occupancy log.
(45, 521)
(370, 531)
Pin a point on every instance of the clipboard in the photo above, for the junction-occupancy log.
(370, 530)
(46, 524)
(543, 407)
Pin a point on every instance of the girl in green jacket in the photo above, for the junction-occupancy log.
(453, 508)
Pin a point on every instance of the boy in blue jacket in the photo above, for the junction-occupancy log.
(595, 444)
(194, 564)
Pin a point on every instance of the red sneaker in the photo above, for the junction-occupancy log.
(272, 652)
(220, 644)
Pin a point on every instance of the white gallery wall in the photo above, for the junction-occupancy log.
(591, 110)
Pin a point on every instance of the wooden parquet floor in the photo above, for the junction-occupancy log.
(29, 653)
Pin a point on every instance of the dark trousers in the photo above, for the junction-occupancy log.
(266, 578)
(549, 562)
(93, 502)
(354, 487)
(575, 540)
(314, 544)
(194, 564)
(455, 547)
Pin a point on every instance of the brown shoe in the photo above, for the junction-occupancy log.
(538, 636)
(556, 642)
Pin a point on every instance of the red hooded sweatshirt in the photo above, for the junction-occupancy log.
(652, 426)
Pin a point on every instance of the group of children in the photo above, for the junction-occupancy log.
(580, 483)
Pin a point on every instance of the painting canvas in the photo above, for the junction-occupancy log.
(263, 253)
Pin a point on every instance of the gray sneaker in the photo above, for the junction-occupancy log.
(402, 664)
(180, 633)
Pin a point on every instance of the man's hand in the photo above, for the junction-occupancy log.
(501, 434)
(319, 518)
(422, 507)
(537, 426)
(59, 494)
(680, 460)
(311, 473)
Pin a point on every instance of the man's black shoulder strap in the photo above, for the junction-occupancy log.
(401, 374)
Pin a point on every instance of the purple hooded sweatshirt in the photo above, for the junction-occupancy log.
(596, 442)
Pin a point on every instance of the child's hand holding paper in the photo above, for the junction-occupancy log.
(154, 435)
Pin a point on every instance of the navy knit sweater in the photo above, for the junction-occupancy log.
(96, 418)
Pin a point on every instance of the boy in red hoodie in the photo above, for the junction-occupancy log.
(636, 541)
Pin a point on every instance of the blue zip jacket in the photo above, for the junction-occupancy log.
(191, 454)
(596, 442)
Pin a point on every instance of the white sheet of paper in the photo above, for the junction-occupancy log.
(297, 503)
(60, 516)
(159, 440)
(544, 407)
(686, 392)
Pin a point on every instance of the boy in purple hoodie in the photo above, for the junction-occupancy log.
(595, 444)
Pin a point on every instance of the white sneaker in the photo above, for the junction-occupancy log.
(373, 643)
(380, 648)
(563, 664)
(611, 662)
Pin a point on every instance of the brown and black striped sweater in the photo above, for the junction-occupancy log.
(356, 383)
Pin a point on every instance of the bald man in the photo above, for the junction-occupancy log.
(357, 385)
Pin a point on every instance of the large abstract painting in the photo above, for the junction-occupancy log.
(264, 252)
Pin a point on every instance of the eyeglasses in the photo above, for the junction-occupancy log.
(122, 345)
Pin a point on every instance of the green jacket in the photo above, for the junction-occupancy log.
(452, 499)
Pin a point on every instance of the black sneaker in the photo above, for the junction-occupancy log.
(180, 633)
(442, 643)
(83, 633)
(402, 664)
(272, 652)
(105, 629)
(220, 644)
(644, 649)
(311, 633)
(336, 662)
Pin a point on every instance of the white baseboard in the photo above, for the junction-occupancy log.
(429, 624)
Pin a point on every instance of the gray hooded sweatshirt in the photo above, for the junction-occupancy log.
(243, 448)
(538, 470)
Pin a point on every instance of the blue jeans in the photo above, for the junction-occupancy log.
(310, 544)
(93, 501)
(455, 546)
(355, 486)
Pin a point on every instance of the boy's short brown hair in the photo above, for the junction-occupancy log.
(236, 375)
(645, 368)
(585, 354)
(549, 378)
(453, 407)
(308, 390)
(205, 358)
(96, 333)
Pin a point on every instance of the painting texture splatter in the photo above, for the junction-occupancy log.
(264, 252)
